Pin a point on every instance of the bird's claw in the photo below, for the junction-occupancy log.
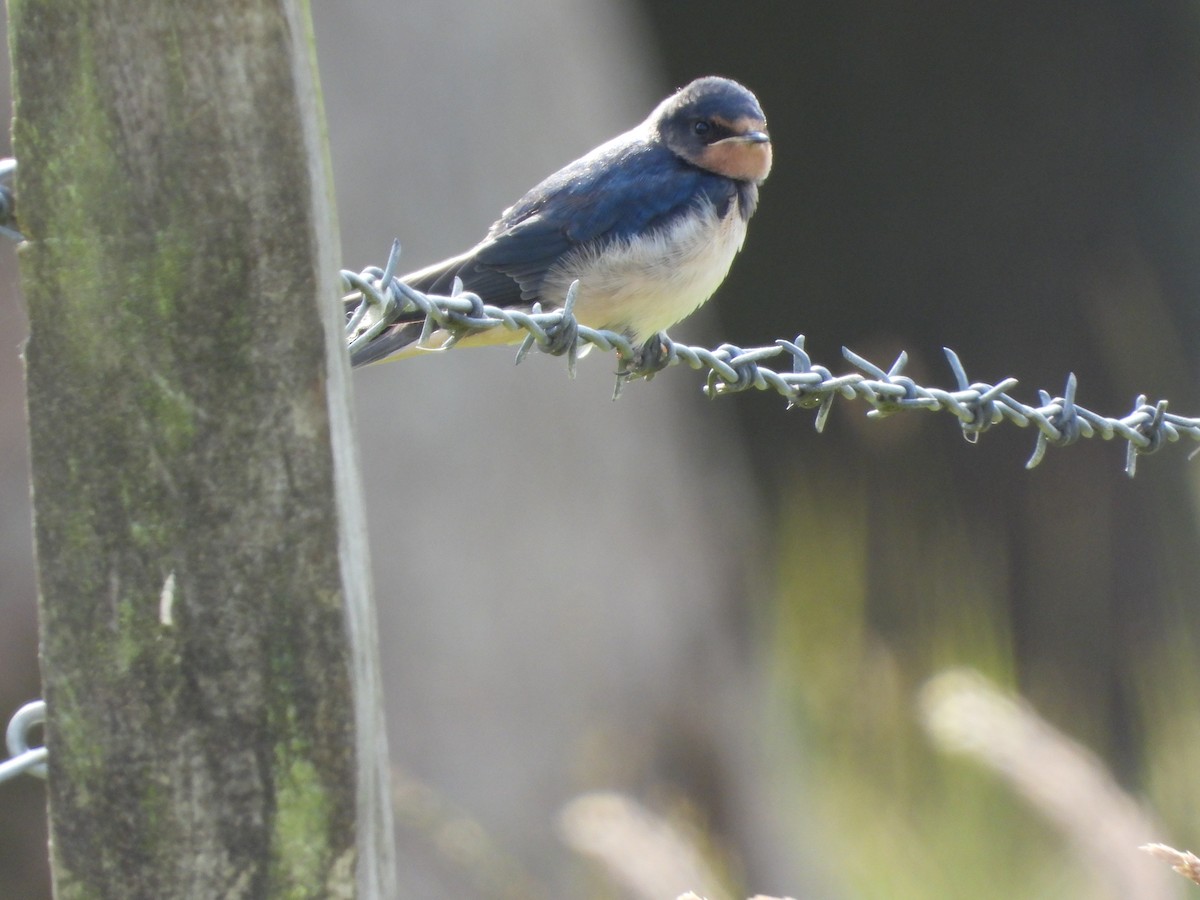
(644, 361)
(650, 358)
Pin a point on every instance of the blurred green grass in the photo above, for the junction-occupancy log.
(870, 603)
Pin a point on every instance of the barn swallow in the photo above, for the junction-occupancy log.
(648, 223)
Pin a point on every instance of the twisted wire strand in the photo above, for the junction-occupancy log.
(977, 405)
(23, 757)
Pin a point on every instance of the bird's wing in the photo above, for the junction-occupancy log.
(621, 190)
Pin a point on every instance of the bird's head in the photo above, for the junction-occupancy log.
(716, 124)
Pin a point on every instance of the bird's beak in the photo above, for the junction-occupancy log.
(749, 137)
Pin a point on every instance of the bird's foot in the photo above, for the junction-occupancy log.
(644, 361)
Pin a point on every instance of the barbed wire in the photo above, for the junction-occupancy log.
(977, 405)
(24, 759)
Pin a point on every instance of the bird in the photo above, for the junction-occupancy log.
(648, 223)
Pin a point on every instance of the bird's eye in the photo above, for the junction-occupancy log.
(702, 128)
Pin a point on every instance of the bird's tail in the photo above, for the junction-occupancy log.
(406, 329)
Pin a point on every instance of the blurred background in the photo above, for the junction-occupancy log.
(727, 622)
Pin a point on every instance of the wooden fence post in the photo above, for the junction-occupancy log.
(208, 648)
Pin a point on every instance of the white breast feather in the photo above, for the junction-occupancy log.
(646, 286)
